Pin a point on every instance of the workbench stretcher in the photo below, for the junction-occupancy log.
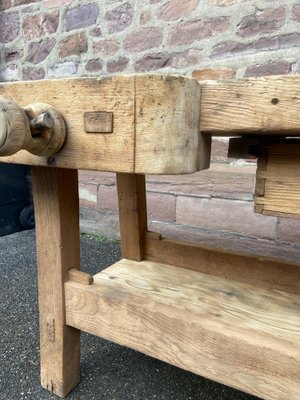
(230, 317)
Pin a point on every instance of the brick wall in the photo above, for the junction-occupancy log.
(54, 38)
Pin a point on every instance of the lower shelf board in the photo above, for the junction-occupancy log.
(230, 332)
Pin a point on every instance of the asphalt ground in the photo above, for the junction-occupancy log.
(108, 371)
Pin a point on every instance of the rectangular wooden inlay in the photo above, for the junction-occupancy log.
(98, 122)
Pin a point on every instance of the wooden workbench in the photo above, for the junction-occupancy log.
(230, 317)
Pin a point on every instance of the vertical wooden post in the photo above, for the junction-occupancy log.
(133, 214)
(57, 235)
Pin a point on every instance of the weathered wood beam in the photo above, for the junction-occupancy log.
(240, 335)
(277, 190)
(260, 271)
(57, 236)
(251, 106)
(134, 124)
(132, 214)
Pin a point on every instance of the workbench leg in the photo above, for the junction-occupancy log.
(57, 235)
(133, 214)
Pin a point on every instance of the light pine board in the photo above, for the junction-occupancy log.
(57, 237)
(277, 189)
(234, 333)
(263, 272)
(155, 123)
(132, 214)
(267, 105)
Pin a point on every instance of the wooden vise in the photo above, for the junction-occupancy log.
(230, 317)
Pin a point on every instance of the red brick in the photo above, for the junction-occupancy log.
(189, 32)
(296, 13)
(161, 207)
(106, 47)
(175, 9)
(107, 198)
(143, 39)
(213, 74)
(260, 23)
(88, 195)
(288, 230)
(271, 68)
(225, 215)
(40, 25)
(73, 45)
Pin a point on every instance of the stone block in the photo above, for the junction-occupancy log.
(288, 230)
(161, 207)
(119, 18)
(9, 27)
(81, 16)
(39, 25)
(176, 9)
(192, 31)
(88, 195)
(73, 45)
(143, 39)
(107, 198)
(226, 215)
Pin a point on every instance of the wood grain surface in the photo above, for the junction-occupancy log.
(155, 123)
(263, 272)
(57, 236)
(277, 189)
(267, 105)
(235, 333)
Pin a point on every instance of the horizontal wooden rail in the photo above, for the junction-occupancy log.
(265, 272)
(251, 106)
(240, 335)
(133, 124)
(150, 123)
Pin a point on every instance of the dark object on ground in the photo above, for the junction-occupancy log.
(16, 209)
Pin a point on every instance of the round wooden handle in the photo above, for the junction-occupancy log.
(37, 128)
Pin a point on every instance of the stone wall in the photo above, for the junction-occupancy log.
(55, 38)
(211, 39)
